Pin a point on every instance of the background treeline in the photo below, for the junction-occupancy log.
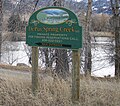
(94, 16)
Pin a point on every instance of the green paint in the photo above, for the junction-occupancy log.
(54, 27)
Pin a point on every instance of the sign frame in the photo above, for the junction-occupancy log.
(66, 34)
(71, 32)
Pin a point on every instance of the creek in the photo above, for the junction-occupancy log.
(102, 55)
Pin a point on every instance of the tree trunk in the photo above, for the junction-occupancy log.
(117, 51)
(116, 21)
(48, 57)
(1, 20)
(58, 3)
(88, 56)
(62, 66)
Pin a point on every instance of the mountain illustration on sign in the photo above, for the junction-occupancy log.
(52, 16)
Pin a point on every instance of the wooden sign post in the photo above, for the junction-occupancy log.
(75, 76)
(35, 70)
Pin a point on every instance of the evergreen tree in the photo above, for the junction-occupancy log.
(14, 23)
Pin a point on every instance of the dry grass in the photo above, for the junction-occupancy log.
(14, 68)
(57, 92)
(102, 34)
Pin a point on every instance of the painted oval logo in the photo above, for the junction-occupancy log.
(52, 16)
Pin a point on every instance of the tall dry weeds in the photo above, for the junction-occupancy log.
(57, 92)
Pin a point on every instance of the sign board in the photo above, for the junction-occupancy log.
(54, 27)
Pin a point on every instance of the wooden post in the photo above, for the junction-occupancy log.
(75, 76)
(34, 70)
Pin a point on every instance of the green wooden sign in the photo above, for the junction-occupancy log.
(54, 27)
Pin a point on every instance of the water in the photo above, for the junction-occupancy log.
(102, 55)
(15, 52)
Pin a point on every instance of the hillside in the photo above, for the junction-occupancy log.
(99, 6)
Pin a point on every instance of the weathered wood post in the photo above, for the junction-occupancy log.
(34, 70)
(75, 76)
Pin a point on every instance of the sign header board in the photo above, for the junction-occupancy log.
(54, 27)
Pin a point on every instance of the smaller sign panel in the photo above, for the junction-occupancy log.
(54, 27)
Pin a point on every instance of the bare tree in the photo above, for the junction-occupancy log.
(87, 39)
(100, 22)
(1, 20)
(116, 20)
(58, 2)
(62, 67)
(49, 56)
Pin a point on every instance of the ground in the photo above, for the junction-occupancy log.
(15, 90)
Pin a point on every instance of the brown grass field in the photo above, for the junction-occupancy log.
(16, 91)
(14, 68)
